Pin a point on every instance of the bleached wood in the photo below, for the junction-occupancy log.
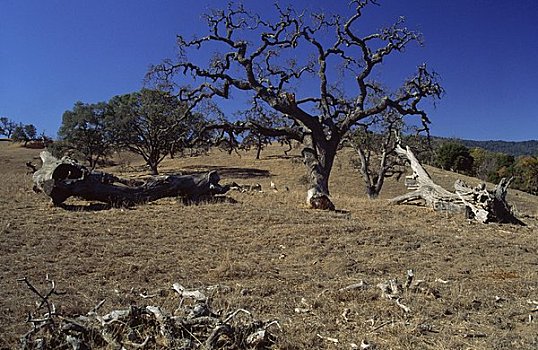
(479, 203)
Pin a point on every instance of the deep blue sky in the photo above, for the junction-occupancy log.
(56, 52)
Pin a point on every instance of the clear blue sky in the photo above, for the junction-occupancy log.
(56, 52)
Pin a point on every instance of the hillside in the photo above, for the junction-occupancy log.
(514, 148)
(268, 254)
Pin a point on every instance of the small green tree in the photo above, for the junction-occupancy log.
(2, 130)
(193, 133)
(85, 129)
(7, 127)
(260, 125)
(454, 156)
(31, 131)
(257, 140)
(525, 170)
(24, 133)
(491, 166)
(150, 123)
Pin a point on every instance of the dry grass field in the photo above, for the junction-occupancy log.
(272, 256)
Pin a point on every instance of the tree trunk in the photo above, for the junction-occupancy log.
(63, 178)
(478, 203)
(259, 148)
(371, 192)
(153, 163)
(374, 189)
(153, 169)
(318, 158)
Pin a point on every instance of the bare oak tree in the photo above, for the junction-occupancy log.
(375, 142)
(292, 65)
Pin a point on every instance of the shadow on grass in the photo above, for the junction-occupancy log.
(208, 200)
(283, 156)
(86, 208)
(185, 201)
(234, 172)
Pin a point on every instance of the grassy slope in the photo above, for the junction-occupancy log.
(270, 253)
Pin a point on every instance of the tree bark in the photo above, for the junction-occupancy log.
(64, 178)
(259, 147)
(478, 203)
(318, 158)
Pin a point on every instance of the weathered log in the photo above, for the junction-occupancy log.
(477, 203)
(64, 178)
(424, 187)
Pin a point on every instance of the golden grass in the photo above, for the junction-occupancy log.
(271, 255)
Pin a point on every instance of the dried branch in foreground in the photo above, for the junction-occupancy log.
(191, 326)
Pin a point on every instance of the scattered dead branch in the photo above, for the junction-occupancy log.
(361, 285)
(392, 289)
(234, 186)
(329, 339)
(146, 327)
(475, 335)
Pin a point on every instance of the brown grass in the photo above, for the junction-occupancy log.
(273, 255)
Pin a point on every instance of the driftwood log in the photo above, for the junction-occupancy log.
(477, 203)
(65, 177)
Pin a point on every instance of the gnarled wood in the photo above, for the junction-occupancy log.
(63, 178)
(425, 188)
(478, 203)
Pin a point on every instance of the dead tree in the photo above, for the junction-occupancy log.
(254, 57)
(375, 141)
(478, 203)
(64, 178)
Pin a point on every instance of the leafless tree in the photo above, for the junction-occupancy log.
(375, 142)
(295, 64)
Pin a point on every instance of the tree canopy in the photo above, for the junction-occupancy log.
(261, 57)
(86, 128)
(152, 123)
(454, 156)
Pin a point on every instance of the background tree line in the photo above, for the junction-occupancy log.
(488, 165)
(155, 124)
(150, 123)
(19, 132)
(514, 148)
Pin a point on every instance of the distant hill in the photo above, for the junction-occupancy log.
(514, 148)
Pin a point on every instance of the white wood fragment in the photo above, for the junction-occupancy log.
(332, 340)
(359, 285)
(402, 306)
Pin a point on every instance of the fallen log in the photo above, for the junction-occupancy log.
(477, 203)
(63, 178)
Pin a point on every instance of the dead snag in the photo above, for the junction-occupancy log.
(63, 178)
(478, 203)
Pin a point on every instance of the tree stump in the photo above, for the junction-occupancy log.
(477, 203)
(63, 178)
